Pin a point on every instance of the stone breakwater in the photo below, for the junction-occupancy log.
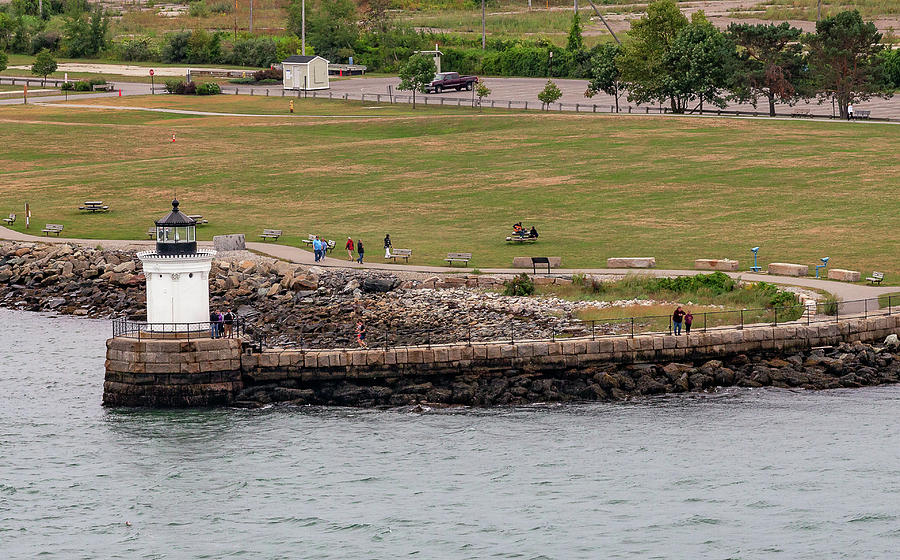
(167, 373)
(287, 303)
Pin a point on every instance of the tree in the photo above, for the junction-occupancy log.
(331, 26)
(770, 62)
(44, 64)
(844, 61)
(482, 91)
(575, 41)
(698, 65)
(3, 61)
(890, 66)
(605, 73)
(641, 64)
(549, 94)
(417, 73)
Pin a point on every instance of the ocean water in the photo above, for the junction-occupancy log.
(738, 474)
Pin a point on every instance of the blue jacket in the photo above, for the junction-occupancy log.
(317, 245)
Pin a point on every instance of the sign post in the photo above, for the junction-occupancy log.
(151, 82)
(27, 215)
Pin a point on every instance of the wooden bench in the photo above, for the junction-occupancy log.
(94, 206)
(542, 261)
(876, 278)
(330, 245)
(458, 257)
(104, 87)
(151, 232)
(11, 220)
(801, 113)
(861, 114)
(309, 239)
(400, 254)
(273, 234)
(52, 228)
(199, 219)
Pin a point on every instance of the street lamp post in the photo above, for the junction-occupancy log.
(483, 40)
(550, 65)
(303, 27)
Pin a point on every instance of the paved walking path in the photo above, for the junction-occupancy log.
(844, 291)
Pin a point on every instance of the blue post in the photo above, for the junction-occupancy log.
(821, 266)
(755, 267)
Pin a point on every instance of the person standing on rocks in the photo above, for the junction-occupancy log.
(361, 333)
(360, 250)
(387, 245)
(688, 321)
(677, 318)
(349, 247)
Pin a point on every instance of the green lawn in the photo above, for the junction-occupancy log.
(442, 180)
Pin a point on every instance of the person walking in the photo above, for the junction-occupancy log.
(349, 247)
(361, 333)
(850, 112)
(360, 250)
(228, 319)
(688, 321)
(317, 248)
(677, 318)
(387, 246)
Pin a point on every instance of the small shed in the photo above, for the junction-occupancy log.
(305, 72)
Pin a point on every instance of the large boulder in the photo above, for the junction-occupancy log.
(844, 275)
(379, 284)
(231, 242)
(631, 262)
(725, 265)
(788, 269)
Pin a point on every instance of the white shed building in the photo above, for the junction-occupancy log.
(305, 72)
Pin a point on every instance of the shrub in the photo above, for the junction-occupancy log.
(268, 74)
(221, 7)
(830, 305)
(209, 88)
(254, 51)
(45, 40)
(141, 48)
(242, 81)
(521, 285)
(174, 85)
(198, 9)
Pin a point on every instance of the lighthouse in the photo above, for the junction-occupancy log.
(177, 276)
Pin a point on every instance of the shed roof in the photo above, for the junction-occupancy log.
(302, 59)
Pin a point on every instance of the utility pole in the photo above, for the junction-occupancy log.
(818, 10)
(576, 6)
(303, 27)
(251, 16)
(483, 41)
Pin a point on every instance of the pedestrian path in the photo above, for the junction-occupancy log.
(844, 291)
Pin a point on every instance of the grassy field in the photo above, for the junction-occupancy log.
(442, 180)
(780, 10)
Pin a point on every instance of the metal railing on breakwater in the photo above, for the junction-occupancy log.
(391, 336)
(142, 330)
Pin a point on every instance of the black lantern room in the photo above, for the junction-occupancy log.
(176, 234)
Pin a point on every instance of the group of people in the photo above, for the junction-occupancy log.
(520, 231)
(221, 325)
(361, 250)
(320, 248)
(679, 317)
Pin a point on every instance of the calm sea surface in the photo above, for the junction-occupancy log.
(742, 474)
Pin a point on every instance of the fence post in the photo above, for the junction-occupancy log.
(704, 322)
(670, 321)
(866, 308)
(592, 330)
(509, 104)
(267, 92)
(594, 107)
(492, 103)
(776, 316)
(526, 105)
(742, 319)
(576, 107)
(632, 327)
(889, 305)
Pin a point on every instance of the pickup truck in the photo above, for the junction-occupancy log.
(450, 80)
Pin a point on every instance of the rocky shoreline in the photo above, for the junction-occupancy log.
(847, 365)
(292, 305)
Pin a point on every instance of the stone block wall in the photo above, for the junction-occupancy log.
(546, 356)
(171, 373)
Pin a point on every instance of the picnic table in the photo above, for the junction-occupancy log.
(94, 206)
(199, 219)
(520, 239)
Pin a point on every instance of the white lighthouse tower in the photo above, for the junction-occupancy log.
(177, 276)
